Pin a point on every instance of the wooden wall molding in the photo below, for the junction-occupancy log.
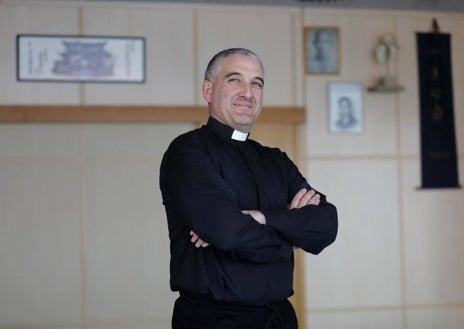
(130, 113)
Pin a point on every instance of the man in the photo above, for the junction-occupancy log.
(323, 57)
(236, 210)
(346, 118)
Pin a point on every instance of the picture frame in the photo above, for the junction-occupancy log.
(345, 107)
(72, 58)
(322, 50)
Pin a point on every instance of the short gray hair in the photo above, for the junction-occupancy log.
(214, 64)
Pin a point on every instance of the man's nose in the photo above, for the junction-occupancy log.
(246, 90)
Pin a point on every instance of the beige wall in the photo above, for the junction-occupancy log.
(83, 239)
(398, 262)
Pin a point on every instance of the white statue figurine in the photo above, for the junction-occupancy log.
(387, 49)
(386, 52)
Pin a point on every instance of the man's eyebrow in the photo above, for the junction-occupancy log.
(228, 75)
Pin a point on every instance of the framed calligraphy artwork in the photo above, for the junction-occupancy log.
(80, 58)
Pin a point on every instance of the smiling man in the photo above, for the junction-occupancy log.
(234, 91)
(236, 210)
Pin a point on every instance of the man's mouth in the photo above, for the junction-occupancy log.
(244, 104)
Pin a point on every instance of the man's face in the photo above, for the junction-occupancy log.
(323, 44)
(235, 97)
(344, 107)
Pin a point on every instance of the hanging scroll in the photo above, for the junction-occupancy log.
(437, 130)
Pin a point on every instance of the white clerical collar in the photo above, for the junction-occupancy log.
(239, 136)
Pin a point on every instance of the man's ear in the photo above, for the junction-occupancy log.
(207, 90)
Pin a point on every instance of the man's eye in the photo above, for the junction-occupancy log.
(234, 80)
(258, 84)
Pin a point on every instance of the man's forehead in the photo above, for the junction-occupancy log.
(239, 64)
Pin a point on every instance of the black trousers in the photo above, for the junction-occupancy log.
(193, 312)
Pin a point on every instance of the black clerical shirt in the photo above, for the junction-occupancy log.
(207, 179)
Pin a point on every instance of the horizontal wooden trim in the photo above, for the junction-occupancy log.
(129, 113)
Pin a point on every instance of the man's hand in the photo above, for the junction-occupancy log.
(197, 241)
(304, 198)
(257, 215)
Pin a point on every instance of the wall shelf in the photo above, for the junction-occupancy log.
(385, 89)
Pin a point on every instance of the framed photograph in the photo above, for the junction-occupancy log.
(345, 107)
(80, 59)
(322, 50)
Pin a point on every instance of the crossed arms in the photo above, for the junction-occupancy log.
(301, 199)
(199, 187)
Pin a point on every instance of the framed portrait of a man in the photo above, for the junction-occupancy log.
(345, 107)
(322, 50)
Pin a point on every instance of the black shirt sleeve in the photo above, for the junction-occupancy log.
(311, 227)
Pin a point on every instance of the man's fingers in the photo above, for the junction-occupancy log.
(311, 198)
(201, 243)
(316, 199)
(194, 237)
(301, 198)
(197, 240)
(296, 199)
(304, 198)
(257, 216)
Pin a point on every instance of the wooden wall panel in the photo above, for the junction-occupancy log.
(113, 113)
